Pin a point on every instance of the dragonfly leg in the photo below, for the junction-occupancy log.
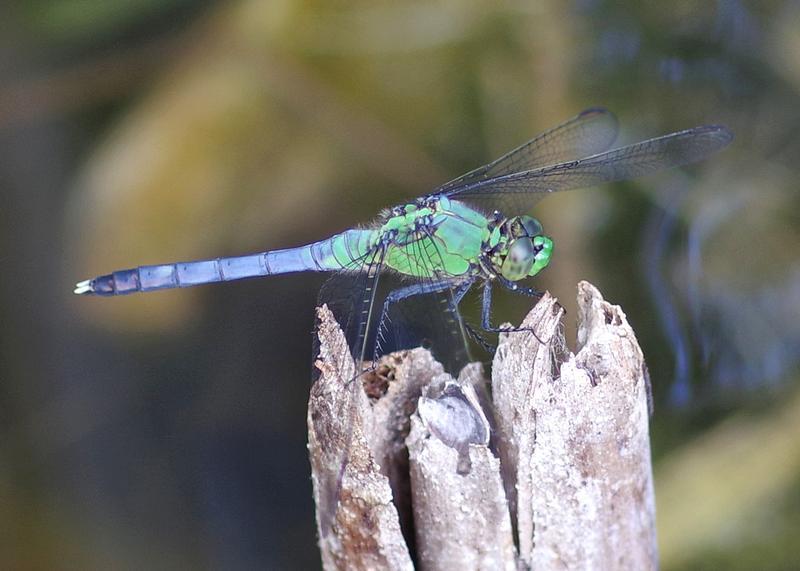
(459, 290)
(479, 339)
(527, 291)
(486, 311)
(516, 288)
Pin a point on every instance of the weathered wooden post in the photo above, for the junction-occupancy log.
(550, 472)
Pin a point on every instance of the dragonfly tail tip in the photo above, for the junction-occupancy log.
(84, 287)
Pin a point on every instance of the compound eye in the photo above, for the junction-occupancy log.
(531, 225)
(519, 259)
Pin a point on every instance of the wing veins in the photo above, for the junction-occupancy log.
(638, 159)
(591, 131)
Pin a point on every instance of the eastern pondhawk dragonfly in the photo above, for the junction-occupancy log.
(472, 230)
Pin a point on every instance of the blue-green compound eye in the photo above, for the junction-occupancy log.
(531, 225)
(519, 260)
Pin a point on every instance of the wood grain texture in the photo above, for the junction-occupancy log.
(411, 467)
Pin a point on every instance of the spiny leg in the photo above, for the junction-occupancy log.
(526, 291)
(516, 288)
(486, 308)
(421, 288)
(479, 339)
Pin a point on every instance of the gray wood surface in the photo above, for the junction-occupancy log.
(552, 471)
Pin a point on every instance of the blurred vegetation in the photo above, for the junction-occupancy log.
(168, 430)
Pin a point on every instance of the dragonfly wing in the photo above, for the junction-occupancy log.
(590, 132)
(350, 294)
(521, 190)
(429, 319)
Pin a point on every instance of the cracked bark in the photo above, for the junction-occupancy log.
(561, 478)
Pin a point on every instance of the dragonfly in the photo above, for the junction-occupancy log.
(475, 230)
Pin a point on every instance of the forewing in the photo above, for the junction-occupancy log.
(590, 132)
(520, 191)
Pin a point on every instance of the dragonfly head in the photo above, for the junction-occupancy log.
(521, 249)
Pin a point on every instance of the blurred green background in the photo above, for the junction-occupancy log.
(167, 431)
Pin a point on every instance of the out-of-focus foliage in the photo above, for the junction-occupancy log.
(167, 430)
(90, 21)
(731, 491)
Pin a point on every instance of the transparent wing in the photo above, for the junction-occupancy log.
(592, 131)
(350, 295)
(518, 192)
(427, 315)
(427, 320)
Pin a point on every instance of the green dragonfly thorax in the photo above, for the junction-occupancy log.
(439, 237)
(435, 238)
